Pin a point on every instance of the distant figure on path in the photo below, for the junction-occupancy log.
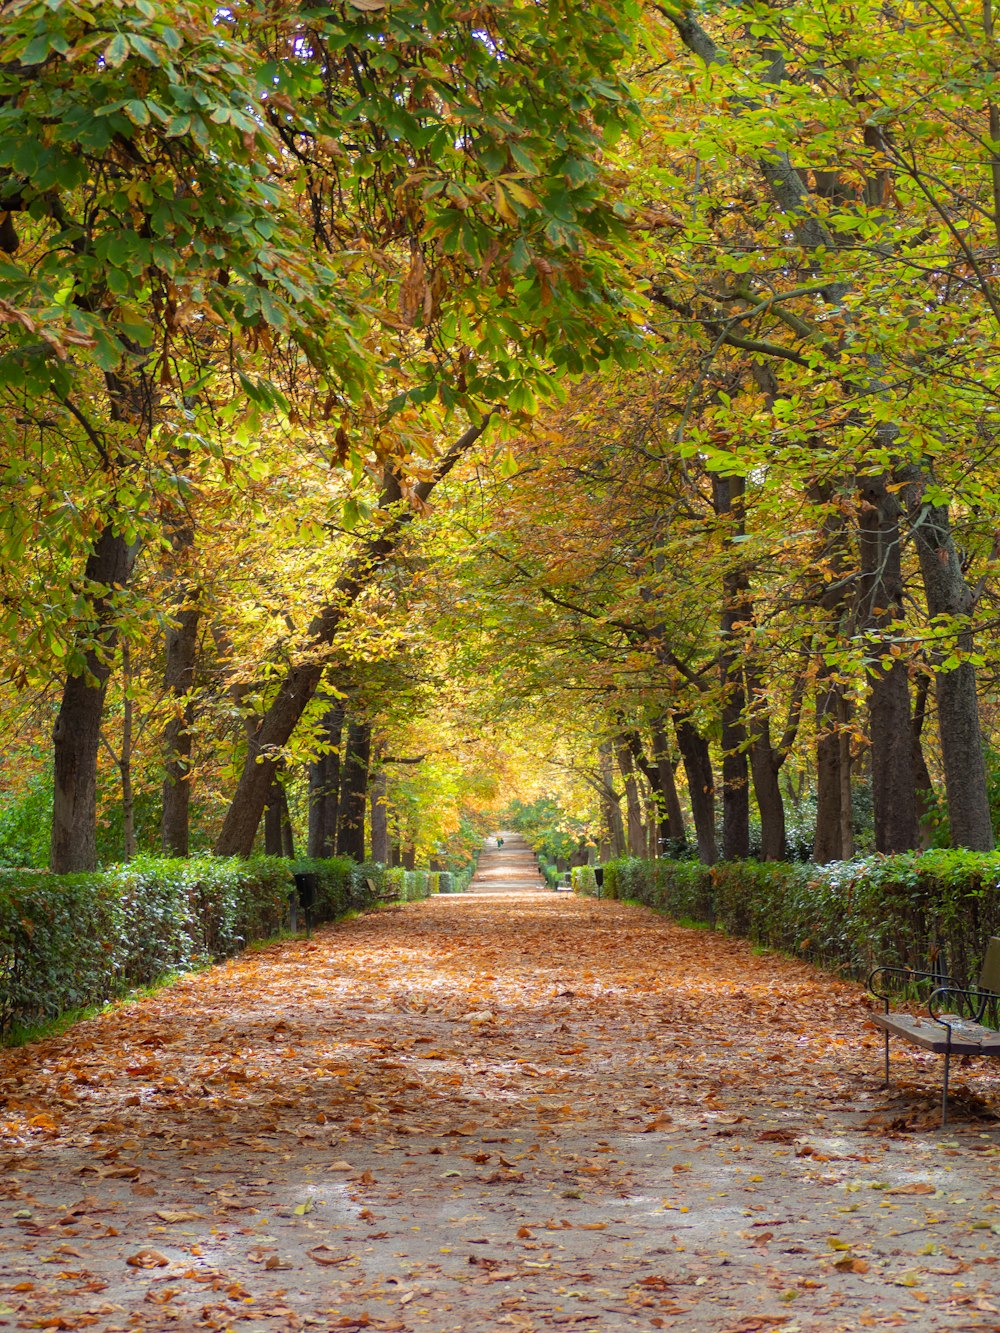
(499, 842)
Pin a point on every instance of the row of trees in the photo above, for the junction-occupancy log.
(379, 378)
(769, 557)
(268, 271)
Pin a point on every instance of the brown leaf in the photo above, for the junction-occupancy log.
(323, 1254)
(850, 1265)
(147, 1259)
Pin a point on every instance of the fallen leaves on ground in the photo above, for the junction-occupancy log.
(507, 1111)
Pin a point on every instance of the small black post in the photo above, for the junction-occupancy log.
(305, 887)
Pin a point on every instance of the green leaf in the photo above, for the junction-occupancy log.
(116, 51)
(508, 464)
(107, 350)
(36, 51)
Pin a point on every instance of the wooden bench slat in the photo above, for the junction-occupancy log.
(966, 1038)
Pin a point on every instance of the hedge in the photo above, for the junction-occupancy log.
(71, 940)
(550, 872)
(848, 915)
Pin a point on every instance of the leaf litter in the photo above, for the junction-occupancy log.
(515, 1111)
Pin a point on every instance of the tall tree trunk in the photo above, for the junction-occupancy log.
(610, 800)
(948, 595)
(633, 801)
(701, 784)
(77, 731)
(324, 786)
(666, 817)
(925, 787)
(178, 681)
(180, 651)
(727, 499)
(881, 607)
(299, 685)
(834, 840)
(274, 819)
(125, 762)
(287, 828)
(672, 827)
(381, 851)
(279, 835)
(766, 759)
(354, 791)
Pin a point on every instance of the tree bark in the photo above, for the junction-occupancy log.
(178, 681)
(633, 801)
(948, 595)
(77, 732)
(727, 500)
(890, 726)
(354, 791)
(834, 557)
(180, 651)
(381, 851)
(279, 836)
(672, 827)
(834, 840)
(701, 784)
(666, 818)
(765, 765)
(125, 766)
(610, 800)
(299, 685)
(925, 787)
(324, 787)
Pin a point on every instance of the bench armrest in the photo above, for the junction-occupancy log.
(914, 972)
(978, 1000)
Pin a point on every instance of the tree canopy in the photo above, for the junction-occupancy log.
(423, 408)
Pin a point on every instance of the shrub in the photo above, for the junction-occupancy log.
(73, 940)
(334, 885)
(549, 872)
(850, 915)
(583, 880)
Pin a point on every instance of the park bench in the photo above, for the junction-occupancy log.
(389, 894)
(973, 1030)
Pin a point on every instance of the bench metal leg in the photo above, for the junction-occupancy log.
(886, 1083)
(944, 1091)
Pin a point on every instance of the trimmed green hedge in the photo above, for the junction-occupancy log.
(549, 871)
(335, 886)
(73, 940)
(848, 915)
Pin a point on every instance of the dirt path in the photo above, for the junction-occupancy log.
(522, 1111)
(509, 868)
